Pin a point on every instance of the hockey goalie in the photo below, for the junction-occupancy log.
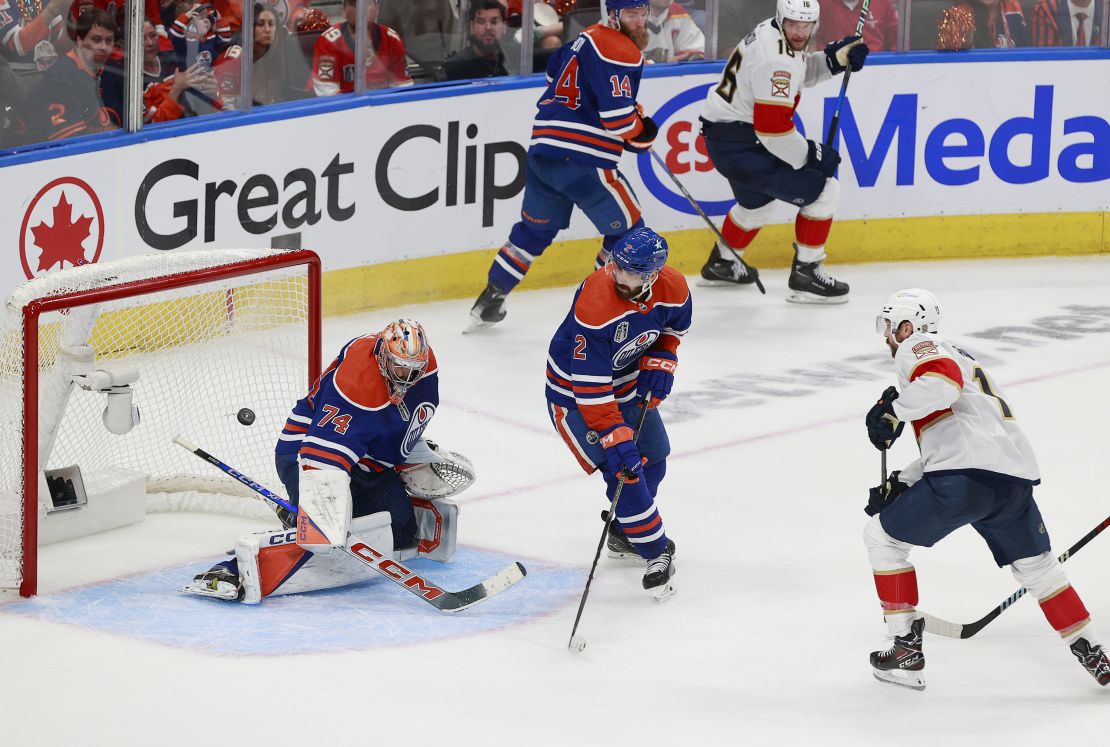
(353, 460)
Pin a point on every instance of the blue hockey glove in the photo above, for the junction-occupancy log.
(883, 426)
(882, 496)
(848, 52)
(656, 375)
(622, 458)
(824, 158)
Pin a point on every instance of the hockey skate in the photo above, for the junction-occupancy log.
(809, 283)
(726, 270)
(218, 582)
(657, 576)
(904, 662)
(618, 547)
(1093, 659)
(488, 310)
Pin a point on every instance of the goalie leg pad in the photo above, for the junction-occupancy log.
(273, 564)
(437, 523)
(325, 509)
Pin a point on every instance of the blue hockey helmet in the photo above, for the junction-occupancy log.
(616, 6)
(641, 251)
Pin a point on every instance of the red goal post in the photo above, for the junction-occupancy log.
(207, 331)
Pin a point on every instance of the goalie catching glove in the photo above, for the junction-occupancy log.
(432, 472)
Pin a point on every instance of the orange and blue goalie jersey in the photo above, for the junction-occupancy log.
(589, 107)
(347, 422)
(593, 360)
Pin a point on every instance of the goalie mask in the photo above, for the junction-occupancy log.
(917, 306)
(403, 353)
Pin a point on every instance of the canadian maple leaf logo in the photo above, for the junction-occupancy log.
(64, 240)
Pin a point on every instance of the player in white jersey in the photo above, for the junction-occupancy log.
(976, 468)
(748, 124)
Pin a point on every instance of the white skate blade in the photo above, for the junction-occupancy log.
(794, 296)
(228, 594)
(900, 677)
(477, 325)
(617, 555)
(706, 283)
(662, 593)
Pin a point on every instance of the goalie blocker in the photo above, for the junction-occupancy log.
(274, 563)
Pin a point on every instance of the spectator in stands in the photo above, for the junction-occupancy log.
(69, 100)
(151, 10)
(840, 18)
(672, 34)
(429, 28)
(157, 66)
(311, 25)
(27, 33)
(199, 34)
(333, 64)
(547, 27)
(167, 100)
(1068, 23)
(267, 67)
(483, 57)
(982, 24)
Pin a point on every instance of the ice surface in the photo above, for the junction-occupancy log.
(766, 641)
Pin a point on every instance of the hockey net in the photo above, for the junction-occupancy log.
(210, 332)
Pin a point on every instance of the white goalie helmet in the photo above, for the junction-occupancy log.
(916, 305)
(808, 11)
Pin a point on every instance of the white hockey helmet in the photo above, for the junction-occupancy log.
(917, 306)
(403, 355)
(808, 11)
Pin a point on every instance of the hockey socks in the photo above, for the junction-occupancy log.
(1065, 612)
(897, 591)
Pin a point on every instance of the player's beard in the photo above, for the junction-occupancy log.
(639, 37)
(627, 293)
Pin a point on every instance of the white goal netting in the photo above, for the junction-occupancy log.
(203, 353)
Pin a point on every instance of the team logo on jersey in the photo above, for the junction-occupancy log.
(622, 332)
(780, 84)
(325, 68)
(421, 416)
(65, 223)
(630, 352)
(924, 349)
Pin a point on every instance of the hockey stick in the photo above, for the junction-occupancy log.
(577, 644)
(835, 124)
(441, 599)
(955, 630)
(720, 236)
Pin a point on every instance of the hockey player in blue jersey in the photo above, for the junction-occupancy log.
(588, 116)
(340, 457)
(618, 343)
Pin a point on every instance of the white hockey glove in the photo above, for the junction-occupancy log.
(324, 516)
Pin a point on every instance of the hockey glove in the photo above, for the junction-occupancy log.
(882, 496)
(622, 458)
(656, 375)
(848, 52)
(646, 137)
(883, 426)
(824, 158)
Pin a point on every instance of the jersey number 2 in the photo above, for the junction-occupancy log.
(985, 385)
(567, 92)
(579, 348)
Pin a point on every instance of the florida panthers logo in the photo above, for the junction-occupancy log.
(421, 416)
(630, 352)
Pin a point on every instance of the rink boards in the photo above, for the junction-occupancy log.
(405, 194)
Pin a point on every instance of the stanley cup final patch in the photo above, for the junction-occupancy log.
(924, 349)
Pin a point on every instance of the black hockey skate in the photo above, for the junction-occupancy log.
(720, 269)
(657, 576)
(618, 545)
(809, 283)
(1093, 659)
(904, 662)
(217, 582)
(489, 309)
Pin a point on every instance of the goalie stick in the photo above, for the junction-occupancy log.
(957, 630)
(441, 599)
(696, 206)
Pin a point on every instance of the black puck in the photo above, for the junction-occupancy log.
(246, 416)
